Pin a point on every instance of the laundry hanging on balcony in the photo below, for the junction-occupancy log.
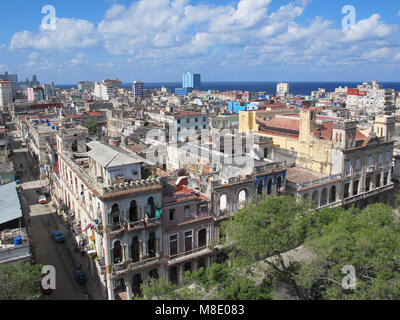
(158, 213)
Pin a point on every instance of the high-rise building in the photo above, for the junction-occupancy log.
(282, 90)
(13, 78)
(191, 81)
(104, 90)
(5, 93)
(35, 94)
(138, 89)
(85, 86)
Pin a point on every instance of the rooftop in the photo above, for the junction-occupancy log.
(300, 175)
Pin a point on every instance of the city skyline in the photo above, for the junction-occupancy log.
(156, 41)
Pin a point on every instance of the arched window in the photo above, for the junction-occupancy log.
(154, 274)
(115, 214)
(117, 252)
(151, 209)
(314, 198)
(260, 188)
(332, 195)
(324, 197)
(202, 238)
(135, 250)
(223, 203)
(279, 186)
(133, 212)
(269, 187)
(242, 198)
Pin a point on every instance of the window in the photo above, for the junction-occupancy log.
(179, 121)
(173, 245)
(187, 211)
(388, 157)
(358, 164)
(172, 215)
(204, 127)
(187, 120)
(348, 166)
(202, 238)
(197, 120)
(370, 160)
(188, 241)
(380, 158)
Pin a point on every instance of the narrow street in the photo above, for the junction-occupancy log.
(41, 220)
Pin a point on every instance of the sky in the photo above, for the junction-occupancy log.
(224, 40)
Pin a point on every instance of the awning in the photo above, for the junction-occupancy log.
(10, 207)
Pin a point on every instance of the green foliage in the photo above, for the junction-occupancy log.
(21, 281)
(91, 125)
(368, 241)
(218, 282)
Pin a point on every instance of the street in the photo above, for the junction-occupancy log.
(41, 220)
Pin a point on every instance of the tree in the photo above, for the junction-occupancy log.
(269, 228)
(218, 282)
(21, 281)
(91, 125)
(367, 240)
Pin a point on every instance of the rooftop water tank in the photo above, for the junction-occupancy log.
(17, 241)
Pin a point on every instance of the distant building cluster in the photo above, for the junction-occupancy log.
(145, 178)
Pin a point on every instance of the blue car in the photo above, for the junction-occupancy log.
(58, 236)
(80, 277)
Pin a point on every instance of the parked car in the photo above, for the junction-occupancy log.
(42, 199)
(58, 236)
(80, 276)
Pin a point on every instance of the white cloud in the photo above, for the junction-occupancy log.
(69, 34)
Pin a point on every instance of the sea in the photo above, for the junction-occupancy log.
(296, 87)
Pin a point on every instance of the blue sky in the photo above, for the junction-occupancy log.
(224, 40)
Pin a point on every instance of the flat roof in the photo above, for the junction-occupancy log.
(300, 175)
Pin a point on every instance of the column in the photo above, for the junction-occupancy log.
(128, 288)
(180, 275)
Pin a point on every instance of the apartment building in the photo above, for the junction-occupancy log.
(187, 230)
(115, 212)
(35, 94)
(6, 97)
(282, 90)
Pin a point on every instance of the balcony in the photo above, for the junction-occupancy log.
(128, 266)
(188, 255)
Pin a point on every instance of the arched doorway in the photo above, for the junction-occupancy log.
(151, 208)
(151, 245)
(260, 188)
(315, 197)
(133, 212)
(242, 199)
(117, 252)
(154, 274)
(202, 238)
(135, 250)
(279, 185)
(136, 283)
(223, 203)
(332, 195)
(269, 187)
(324, 197)
(115, 214)
(173, 275)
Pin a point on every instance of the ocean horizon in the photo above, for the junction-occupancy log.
(296, 87)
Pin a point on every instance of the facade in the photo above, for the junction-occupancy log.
(13, 78)
(138, 89)
(35, 94)
(6, 97)
(187, 230)
(191, 80)
(104, 91)
(182, 92)
(85, 86)
(282, 90)
(115, 213)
